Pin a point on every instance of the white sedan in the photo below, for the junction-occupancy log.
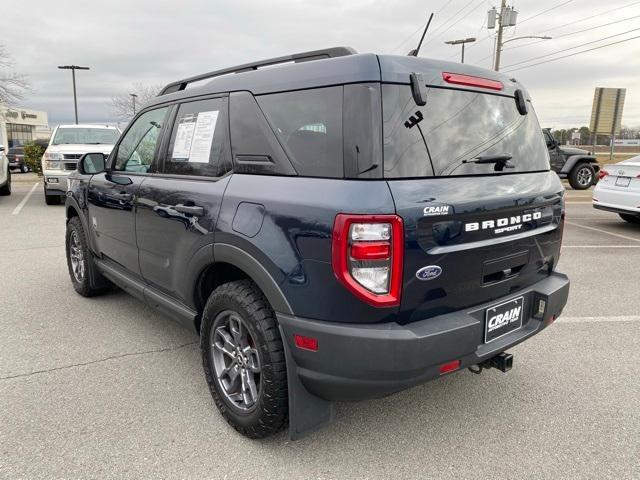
(5, 173)
(618, 189)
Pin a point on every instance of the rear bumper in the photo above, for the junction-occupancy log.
(617, 209)
(357, 362)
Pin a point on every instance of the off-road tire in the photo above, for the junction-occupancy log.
(52, 199)
(6, 188)
(86, 287)
(579, 178)
(270, 412)
(630, 218)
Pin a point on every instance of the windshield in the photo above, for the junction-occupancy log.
(458, 132)
(94, 136)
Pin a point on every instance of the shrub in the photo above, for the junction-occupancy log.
(33, 156)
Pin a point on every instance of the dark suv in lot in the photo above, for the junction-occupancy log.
(575, 164)
(338, 228)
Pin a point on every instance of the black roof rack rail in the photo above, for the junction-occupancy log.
(296, 58)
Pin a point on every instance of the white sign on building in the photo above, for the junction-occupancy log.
(21, 125)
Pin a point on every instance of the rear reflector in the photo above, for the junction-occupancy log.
(306, 343)
(370, 250)
(470, 81)
(449, 367)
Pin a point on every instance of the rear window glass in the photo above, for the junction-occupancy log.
(308, 124)
(453, 129)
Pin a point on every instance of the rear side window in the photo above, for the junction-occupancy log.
(308, 124)
(453, 129)
(199, 140)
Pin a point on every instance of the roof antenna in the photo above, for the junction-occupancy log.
(414, 53)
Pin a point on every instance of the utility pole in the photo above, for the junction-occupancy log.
(503, 8)
(506, 18)
(133, 99)
(461, 42)
(73, 69)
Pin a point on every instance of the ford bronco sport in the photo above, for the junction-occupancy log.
(338, 228)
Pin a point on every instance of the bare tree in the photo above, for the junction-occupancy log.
(13, 85)
(122, 105)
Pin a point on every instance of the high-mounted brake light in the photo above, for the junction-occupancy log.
(470, 81)
(367, 256)
(603, 173)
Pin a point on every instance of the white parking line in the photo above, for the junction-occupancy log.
(620, 318)
(17, 210)
(600, 246)
(604, 231)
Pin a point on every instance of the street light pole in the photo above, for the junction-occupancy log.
(541, 37)
(461, 42)
(73, 69)
(133, 99)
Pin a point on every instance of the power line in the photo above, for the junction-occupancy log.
(566, 34)
(452, 17)
(575, 33)
(592, 16)
(420, 27)
(572, 54)
(543, 12)
(559, 36)
(455, 23)
(571, 48)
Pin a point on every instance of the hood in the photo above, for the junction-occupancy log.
(80, 148)
(572, 151)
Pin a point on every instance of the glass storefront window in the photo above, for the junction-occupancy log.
(18, 135)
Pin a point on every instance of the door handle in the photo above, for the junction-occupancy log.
(194, 210)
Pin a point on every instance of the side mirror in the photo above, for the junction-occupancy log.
(91, 163)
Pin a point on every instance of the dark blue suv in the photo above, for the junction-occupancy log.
(339, 227)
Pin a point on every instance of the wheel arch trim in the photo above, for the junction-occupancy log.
(576, 159)
(223, 252)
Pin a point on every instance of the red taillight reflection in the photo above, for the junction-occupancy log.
(471, 81)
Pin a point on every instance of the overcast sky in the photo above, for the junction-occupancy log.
(155, 42)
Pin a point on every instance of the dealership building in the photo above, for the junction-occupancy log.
(20, 125)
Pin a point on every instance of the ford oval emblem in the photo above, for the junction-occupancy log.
(429, 273)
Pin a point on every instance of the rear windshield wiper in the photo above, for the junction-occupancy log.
(500, 160)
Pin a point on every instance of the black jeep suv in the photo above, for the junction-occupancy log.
(337, 228)
(579, 166)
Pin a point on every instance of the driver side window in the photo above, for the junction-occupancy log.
(137, 148)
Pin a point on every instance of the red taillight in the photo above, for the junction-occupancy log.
(449, 367)
(306, 343)
(471, 81)
(603, 173)
(367, 256)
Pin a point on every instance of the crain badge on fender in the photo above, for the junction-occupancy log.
(429, 273)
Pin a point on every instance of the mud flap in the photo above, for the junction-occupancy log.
(307, 412)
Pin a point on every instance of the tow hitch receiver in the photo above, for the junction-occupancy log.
(503, 362)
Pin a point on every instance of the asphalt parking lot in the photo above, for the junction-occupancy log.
(103, 387)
